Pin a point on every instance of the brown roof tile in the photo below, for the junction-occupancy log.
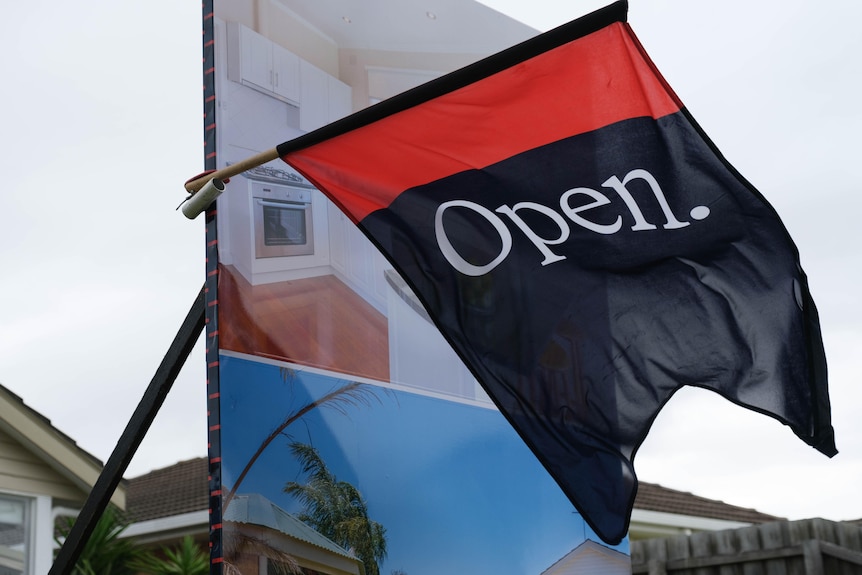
(180, 488)
(653, 497)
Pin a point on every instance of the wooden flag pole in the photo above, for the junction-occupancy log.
(196, 183)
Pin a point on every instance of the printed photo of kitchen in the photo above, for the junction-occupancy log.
(338, 396)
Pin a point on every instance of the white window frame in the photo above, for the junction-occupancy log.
(39, 529)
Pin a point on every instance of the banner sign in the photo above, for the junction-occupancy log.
(451, 316)
(346, 435)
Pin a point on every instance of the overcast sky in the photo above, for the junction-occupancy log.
(100, 116)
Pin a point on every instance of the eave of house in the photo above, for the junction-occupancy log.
(647, 524)
(36, 434)
(169, 529)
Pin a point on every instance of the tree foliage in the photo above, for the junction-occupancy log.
(186, 559)
(104, 552)
(337, 510)
(349, 395)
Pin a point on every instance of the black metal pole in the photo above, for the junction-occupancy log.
(131, 438)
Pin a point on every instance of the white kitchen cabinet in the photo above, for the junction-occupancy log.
(340, 101)
(338, 223)
(257, 62)
(314, 97)
(255, 58)
(323, 98)
(419, 355)
(360, 260)
(356, 261)
(285, 67)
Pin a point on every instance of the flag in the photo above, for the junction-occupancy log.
(584, 248)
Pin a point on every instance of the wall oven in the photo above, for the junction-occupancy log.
(282, 220)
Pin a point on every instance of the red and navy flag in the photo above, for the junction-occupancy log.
(584, 248)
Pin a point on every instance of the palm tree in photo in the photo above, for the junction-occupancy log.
(349, 395)
(336, 510)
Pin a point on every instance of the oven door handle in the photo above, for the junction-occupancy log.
(288, 205)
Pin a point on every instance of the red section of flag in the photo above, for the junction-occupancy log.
(579, 87)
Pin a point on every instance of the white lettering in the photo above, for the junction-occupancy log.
(641, 223)
(539, 242)
(600, 200)
(573, 212)
(452, 256)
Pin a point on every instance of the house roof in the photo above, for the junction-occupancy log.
(255, 509)
(180, 488)
(48, 444)
(184, 487)
(653, 497)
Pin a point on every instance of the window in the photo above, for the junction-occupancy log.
(14, 535)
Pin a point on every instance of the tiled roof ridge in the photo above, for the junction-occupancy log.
(170, 469)
(656, 497)
(179, 488)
